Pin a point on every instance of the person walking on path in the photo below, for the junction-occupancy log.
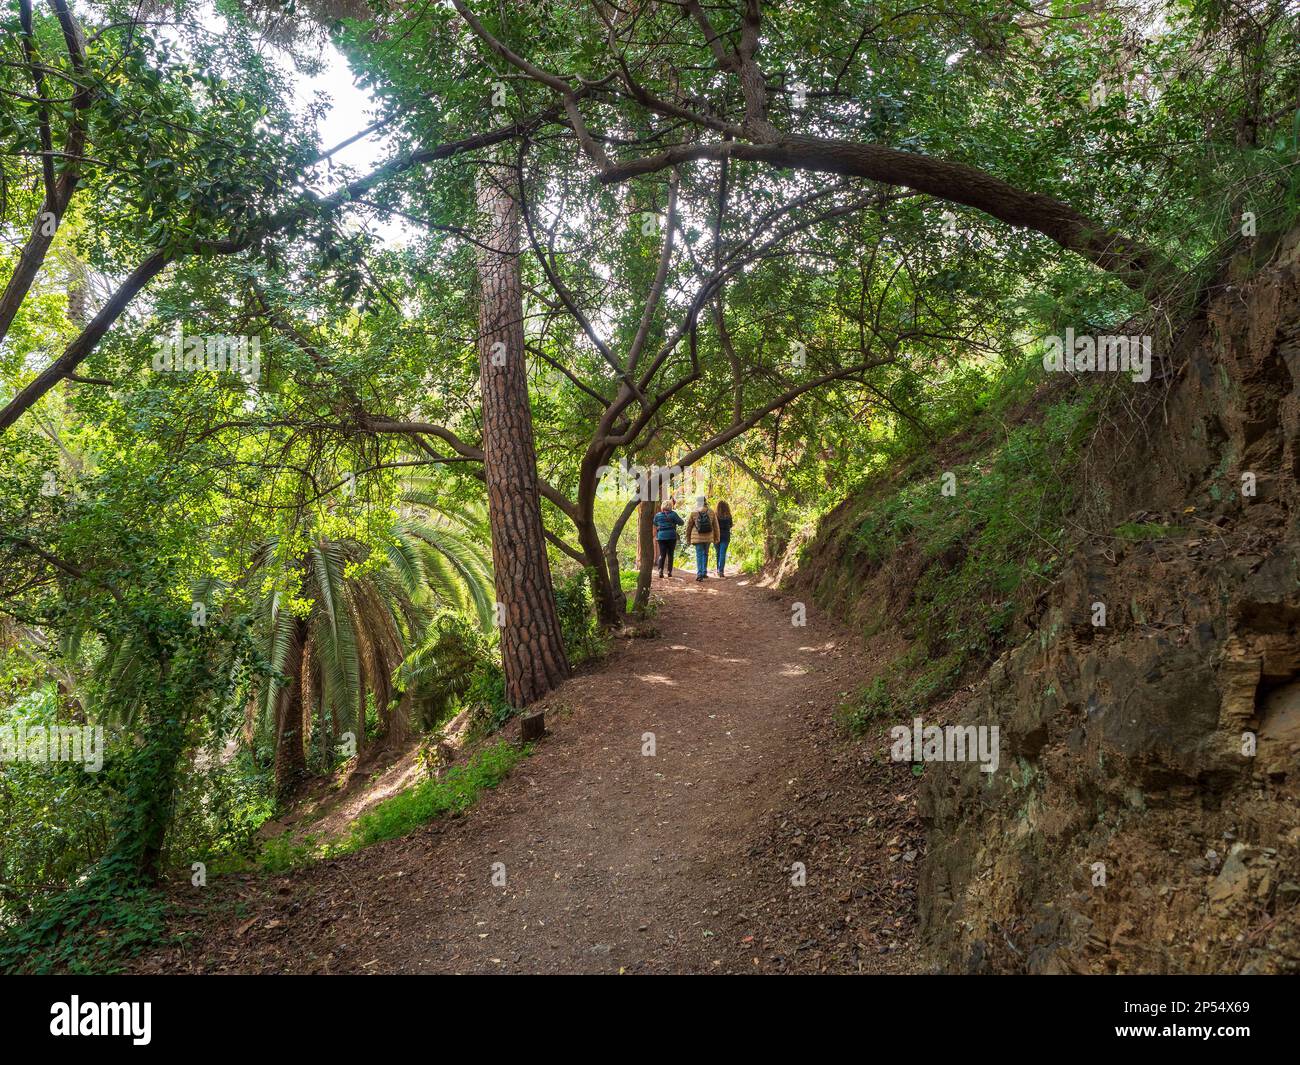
(701, 531)
(724, 534)
(666, 523)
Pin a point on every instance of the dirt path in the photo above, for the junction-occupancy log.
(616, 861)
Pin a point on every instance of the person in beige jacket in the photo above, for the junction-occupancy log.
(702, 530)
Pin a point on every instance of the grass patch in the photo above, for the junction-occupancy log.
(282, 853)
(452, 793)
(456, 791)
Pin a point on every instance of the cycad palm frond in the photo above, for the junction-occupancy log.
(121, 671)
(404, 560)
(363, 625)
(333, 633)
(457, 568)
(442, 668)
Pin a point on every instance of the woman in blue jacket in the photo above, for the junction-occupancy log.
(666, 524)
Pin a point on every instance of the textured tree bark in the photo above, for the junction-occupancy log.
(532, 648)
(290, 753)
(614, 574)
(645, 537)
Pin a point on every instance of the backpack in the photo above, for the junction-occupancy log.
(703, 523)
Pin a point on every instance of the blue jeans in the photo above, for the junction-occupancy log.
(701, 560)
(721, 548)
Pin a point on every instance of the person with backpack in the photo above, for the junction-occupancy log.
(701, 531)
(666, 523)
(724, 534)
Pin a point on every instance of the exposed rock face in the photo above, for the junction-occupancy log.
(1146, 818)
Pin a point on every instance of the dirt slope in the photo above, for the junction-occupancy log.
(620, 862)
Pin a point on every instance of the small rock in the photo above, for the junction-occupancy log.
(1233, 880)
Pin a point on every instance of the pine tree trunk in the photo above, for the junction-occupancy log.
(290, 754)
(532, 648)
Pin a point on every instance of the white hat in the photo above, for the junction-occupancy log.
(700, 501)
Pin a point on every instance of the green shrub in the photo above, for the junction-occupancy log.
(58, 818)
(983, 550)
(93, 928)
(583, 638)
(485, 698)
(220, 803)
(871, 703)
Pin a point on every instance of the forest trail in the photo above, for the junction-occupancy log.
(616, 861)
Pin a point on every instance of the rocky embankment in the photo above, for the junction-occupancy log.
(1145, 815)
